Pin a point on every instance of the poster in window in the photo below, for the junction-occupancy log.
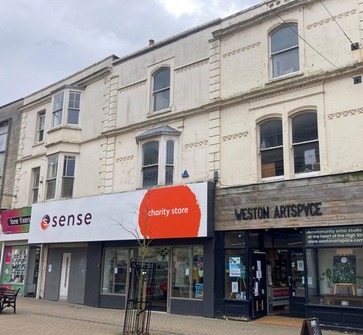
(310, 157)
(235, 267)
(199, 290)
(344, 269)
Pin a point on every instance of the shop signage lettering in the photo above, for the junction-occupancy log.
(334, 236)
(71, 220)
(65, 221)
(279, 212)
(18, 220)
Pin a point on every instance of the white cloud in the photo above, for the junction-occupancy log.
(43, 41)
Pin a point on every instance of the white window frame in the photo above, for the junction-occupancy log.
(160, 91)
(35, 184)
(266, 148)
(68, 176)
(314, 168)
(66, 110)
(291, 51)
(164, 164)
(55, 179)
(41, 126)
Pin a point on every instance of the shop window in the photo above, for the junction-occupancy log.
(235, 281)
(305, 142)
(335, 276)
(188, 272)
(285, 50)
(161, 89)
(114, 272)
(271, 149)
(14, 266)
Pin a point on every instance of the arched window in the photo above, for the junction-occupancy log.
(161, 89)
(271, 148)
(285, 50)
(305, 142)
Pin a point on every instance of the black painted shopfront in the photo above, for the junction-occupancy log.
(291, 248)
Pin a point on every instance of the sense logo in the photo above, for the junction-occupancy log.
(169, 212)
(44, 224)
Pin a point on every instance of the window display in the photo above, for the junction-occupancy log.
(235, 266)
(15, 265)
(188, 272)
(114, 271)
(334, 276)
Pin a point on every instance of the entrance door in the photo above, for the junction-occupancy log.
(66, 266)
(258, 282)
(297, 283)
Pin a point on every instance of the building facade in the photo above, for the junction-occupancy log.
(233, 147)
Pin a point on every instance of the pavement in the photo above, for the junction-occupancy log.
(36, 316)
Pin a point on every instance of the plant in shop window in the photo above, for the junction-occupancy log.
(359, 285)
(327, 276)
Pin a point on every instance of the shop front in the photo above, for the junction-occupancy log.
(19, 261)
(88, 245)
(291, 248)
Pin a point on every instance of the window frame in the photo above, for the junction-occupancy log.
(270, 149)
(285, 51)
(68, 176)
(166, 161)
(159, 91)
(35, 184)
(56, 177)
(315, 167)
(41, 126)
(66, 110)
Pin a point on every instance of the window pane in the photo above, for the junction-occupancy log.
(69, 166)
(170, 152)
(235, 274)
(161, 89)
(162, 79)
(150, 176)
(272, 163)
(284, 38)
(285, 63)
(67, 187)
(41, 127)
(188, 274)
(58, 109)
(304, 127)
(73, 107)
(151, 153)
(50, 193)
(271, 150)
(306, 157)
(161, 100)
(169, 175)
(271, 134)
(35, 187)
(52, 167)
(2, 163)
(74, 99)
(114, 271)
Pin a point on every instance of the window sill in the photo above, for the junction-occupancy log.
(284, 77)
(307, 174)
(161, 111)
(269, 179)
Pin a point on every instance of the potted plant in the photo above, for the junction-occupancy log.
(327, 275)
(359, 285)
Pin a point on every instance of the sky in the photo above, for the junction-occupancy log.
(44, 41)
